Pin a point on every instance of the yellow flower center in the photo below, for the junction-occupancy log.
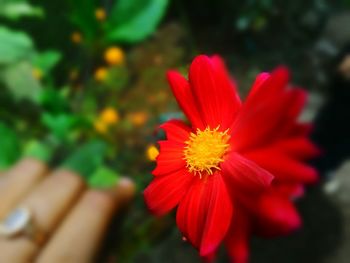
(205, 150)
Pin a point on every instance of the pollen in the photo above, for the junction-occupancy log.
(205, 150)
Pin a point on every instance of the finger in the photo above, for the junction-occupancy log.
(85, 226)
(49, 202)
(18, 181)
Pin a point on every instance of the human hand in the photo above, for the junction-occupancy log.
(58, 218)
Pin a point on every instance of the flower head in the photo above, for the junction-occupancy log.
(226, 159)
(76, 37)
(201, 166)
(109, 116)
(100, 14)
(114, 56)
(101, 74)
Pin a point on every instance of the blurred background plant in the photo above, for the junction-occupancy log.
(82, 83)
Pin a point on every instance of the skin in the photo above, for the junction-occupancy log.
(70, 219)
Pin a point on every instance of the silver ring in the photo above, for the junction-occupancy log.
(18, 222)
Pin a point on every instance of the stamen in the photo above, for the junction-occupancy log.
(205, 150)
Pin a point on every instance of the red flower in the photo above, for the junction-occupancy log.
(211, 170)
(274, 213)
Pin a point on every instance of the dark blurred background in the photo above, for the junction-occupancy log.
(82, 85)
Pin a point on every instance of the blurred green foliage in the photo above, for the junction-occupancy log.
(15, 9)
(103, 177)
(14, 46)
(87, 158)
(10, 149)
(38, 150)
(133, 21)
(46, 61)
(127, 21)
(66, 116)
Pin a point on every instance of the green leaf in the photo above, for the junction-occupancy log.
(87, 158)
(60, 125)
(9, 146)
(14, 46)
(103, 177)
(19, 79)
(16, 9)
(133, 20)
(47, 60)
(82, 15)
(53, 100)
(117, 78)
(38, 150)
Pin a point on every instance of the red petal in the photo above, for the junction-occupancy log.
(283, 167)
(204, 214)
(263, 112)
(257, 124)
(176, 130)
(216, 96)
(299, 98)
(289, 190)
(166, 191)
(237, 241)
(245, 175)
(278, 80)
(295, 104)
(170, 158)
(224, 80)
(259, 81)
(301, 129)
(209, 258)
(276, 216)
(183, 94)
(300, 148)
(268, 85)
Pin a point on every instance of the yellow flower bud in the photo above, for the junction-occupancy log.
(152, 152)
(138, 118)
(114, 56)
(109, 116)
(101, 74)
(76, 37)
(100, 14)
(100, 126)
